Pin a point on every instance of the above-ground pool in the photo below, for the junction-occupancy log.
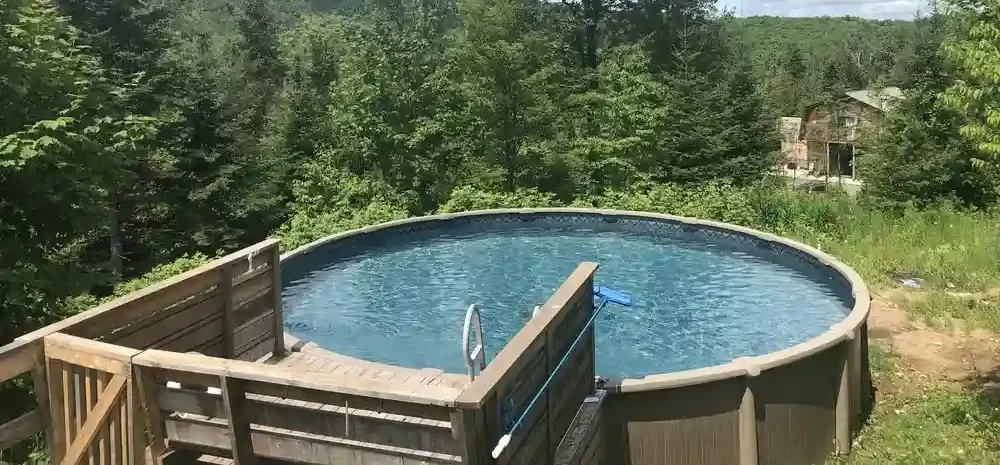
(703, 295)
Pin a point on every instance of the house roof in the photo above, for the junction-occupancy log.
(882, 99)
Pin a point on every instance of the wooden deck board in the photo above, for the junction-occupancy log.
(317, 360)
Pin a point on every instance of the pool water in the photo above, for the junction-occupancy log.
(698, 303)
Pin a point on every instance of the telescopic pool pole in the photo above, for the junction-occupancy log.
(606, 296)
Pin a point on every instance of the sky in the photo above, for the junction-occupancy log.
(876, 9)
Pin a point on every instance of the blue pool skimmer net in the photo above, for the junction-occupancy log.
(603, 297)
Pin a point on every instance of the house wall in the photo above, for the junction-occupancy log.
(817, 122)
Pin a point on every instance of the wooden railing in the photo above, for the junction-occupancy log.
(502, 393)
(113, 385)
(230, 307)
(246, 410)
(226, 308)
(16, 359)
(91, 402)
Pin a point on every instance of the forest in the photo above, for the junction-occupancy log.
(140, 138)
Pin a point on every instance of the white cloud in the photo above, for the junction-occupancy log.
(877, 9)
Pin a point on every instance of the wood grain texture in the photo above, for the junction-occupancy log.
(17, 358)
(279, 320)
(57, 408)
(85, 353)
(39, 379)
(235, 408)
(696, 425)
(321, 419)
(211, 436)
(20, 428)
(506, 388)
(283, 378)
(147, 394)
(109, 398)
(110, 316)
(229, 320)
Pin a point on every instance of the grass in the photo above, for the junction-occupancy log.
(945, 247)
(925, 423)
(943, 309)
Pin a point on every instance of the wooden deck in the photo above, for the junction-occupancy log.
(313, 358)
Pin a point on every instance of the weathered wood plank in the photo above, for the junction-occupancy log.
(57, 408)
(17, 358)
(105, 448)
(106, 317)
(133, 426)
(235, 406)
(463, 424)
(229, 322)
(321, 419)
(283, 377)
(147, 397)
(20, 428)
(252, 332)
(168, 323)
(257, 350)
(504, 365)
(196, 335)
(88, 380)
(252, 288)
(41, 385)
(211, 436)
(327, 396)
(109, 398)
(279, 319)
(89, 354)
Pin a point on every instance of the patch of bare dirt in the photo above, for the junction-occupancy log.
(956, 355)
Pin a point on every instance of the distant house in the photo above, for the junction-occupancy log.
(794, 151)
(832, 130)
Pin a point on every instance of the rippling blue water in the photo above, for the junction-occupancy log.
(698, 303)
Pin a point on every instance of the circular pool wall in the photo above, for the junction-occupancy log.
(744, 347)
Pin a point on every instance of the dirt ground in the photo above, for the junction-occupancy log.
(956, 356)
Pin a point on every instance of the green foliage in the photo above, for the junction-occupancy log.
(511, 79)
(384, 114)
(328, 200)
(468, 198)
(918, 155)
(938, 426)
(974, 52)
(625, 117)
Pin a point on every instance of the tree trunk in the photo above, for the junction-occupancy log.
(591, 18)
(115, 238)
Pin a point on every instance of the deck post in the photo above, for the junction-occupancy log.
(147, 392)
(41, 386)
(234, 402)
(279, 319)
(226, 290)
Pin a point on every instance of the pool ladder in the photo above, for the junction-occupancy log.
(473, 321)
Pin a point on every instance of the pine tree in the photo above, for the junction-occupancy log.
(919, 156)
(512, 78)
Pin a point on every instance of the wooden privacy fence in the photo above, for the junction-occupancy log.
(505, 388)
(230, 307)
